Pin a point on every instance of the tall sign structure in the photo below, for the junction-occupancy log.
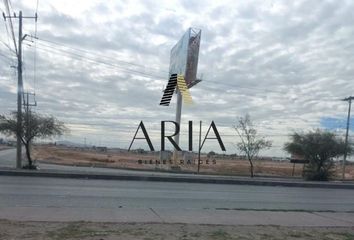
(182, 73)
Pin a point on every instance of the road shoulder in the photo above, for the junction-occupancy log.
(149, 231)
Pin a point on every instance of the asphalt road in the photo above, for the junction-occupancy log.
(23, 191)
(52, 192)
(51, 199)
(57, 199)
(8, 158)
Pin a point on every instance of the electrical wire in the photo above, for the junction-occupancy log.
(8, 47)
(7, 58)
(8, 35)
(82, 57)
(99, 55)
(7, 7)
(160, 77)
(35, 51)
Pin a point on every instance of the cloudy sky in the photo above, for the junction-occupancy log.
(101, 66)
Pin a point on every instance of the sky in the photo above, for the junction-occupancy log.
(101, 67)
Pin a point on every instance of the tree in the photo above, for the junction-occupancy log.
(319, 147)
(250, 144)
(34, 126)
(211, 154)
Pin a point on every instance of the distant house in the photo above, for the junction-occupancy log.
(100, 149)
(297, 158)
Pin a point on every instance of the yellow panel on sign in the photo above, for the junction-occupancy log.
(181, 83)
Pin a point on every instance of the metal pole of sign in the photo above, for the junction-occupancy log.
(200, 141)
(178, 121)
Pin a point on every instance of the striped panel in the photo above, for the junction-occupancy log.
(168, 92)
(181, 83)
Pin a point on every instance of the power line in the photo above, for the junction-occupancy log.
(5, 61)
(8, 58)
(7, 34)
(8, 47)
(82, 57)
(149, 74)
(6, 3)
(264, 91)
(242, 87)
(129, 63)
(157, 77)
(10, 5)
(216, 82)
(162, 77)
(101, 56)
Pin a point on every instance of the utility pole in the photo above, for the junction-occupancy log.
(27, 105)
(19, 87)
(349, 100)
(19, 95)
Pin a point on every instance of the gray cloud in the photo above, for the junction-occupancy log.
(285, 63)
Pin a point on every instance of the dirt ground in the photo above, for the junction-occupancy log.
(4, 147)
(150, 231)
(129, 160)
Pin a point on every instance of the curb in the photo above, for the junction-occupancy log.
(177, 179)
